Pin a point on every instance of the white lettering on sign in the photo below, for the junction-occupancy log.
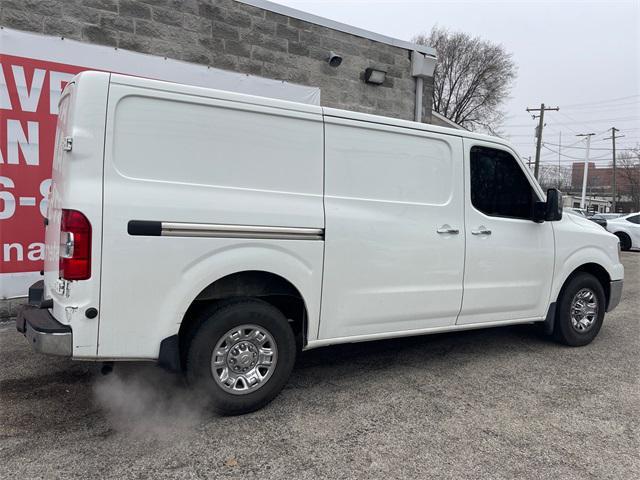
(8, 199)
(17, 247)
(17, 140)
(36, 252)
(5, 100)
(15, 252)
(28, 96)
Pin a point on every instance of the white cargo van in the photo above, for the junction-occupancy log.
(218, 233)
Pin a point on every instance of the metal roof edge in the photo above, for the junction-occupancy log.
(427, 127)
(447, 120)
(342, 27)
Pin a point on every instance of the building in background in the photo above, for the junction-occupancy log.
(599, 186)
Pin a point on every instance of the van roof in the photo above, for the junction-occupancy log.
(295, 106)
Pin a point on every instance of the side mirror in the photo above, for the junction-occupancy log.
(551, 210)
(554, 205)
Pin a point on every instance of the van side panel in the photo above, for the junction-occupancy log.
(77, 185)
(183, 158)
(388, 191)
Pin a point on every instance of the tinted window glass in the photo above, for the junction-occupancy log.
(499, 187)
(634, 219)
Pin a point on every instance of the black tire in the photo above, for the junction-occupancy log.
(564, 330)
(214, 324)
(625, 241)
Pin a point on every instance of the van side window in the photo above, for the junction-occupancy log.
(499, 187)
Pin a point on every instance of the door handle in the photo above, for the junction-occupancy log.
(446, 229)
(482, 230)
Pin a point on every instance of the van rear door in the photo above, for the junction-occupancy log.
(74, 217)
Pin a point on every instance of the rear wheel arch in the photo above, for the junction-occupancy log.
(272, 288)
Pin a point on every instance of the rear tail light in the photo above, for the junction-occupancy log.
(75, 246)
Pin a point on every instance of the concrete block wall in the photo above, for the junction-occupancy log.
(234, 36)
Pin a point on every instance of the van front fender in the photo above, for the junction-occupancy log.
(579, 258)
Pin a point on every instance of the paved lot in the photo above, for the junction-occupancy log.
(500, 403)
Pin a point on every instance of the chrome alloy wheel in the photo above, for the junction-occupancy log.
(244, 359)
(584, 310)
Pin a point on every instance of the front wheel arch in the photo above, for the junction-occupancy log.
(597, 271)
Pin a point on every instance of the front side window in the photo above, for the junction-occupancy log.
(499, 187)
(634, 219)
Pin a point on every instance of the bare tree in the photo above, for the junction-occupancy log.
(472, 78)
(553, 176)
(628, 173)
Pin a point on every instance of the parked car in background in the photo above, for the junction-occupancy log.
(610, 216)
(599, 219)
(578, 211)
(596, 218)
(627, 229)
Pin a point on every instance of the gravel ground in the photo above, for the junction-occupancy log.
(500, 403)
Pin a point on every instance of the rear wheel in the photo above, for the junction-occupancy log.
(241, 355)
(625, 241)
(581, 310)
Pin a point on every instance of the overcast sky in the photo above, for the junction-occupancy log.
(583, 56)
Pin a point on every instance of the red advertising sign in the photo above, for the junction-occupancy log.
(29, 94)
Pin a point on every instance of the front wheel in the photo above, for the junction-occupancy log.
(580, 311)
(241, 355)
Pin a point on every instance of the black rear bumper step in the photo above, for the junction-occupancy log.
(40, 320)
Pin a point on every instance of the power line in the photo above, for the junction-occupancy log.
(572, 119)
(574, 158)
(633, 118)
(609, 106)
(602, 101)
(584, 148)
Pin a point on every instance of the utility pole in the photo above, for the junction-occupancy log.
(586, 168)
(542, 109)
(614, 189)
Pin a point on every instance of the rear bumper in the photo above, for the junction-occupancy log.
(615, 293)
(45, 334)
